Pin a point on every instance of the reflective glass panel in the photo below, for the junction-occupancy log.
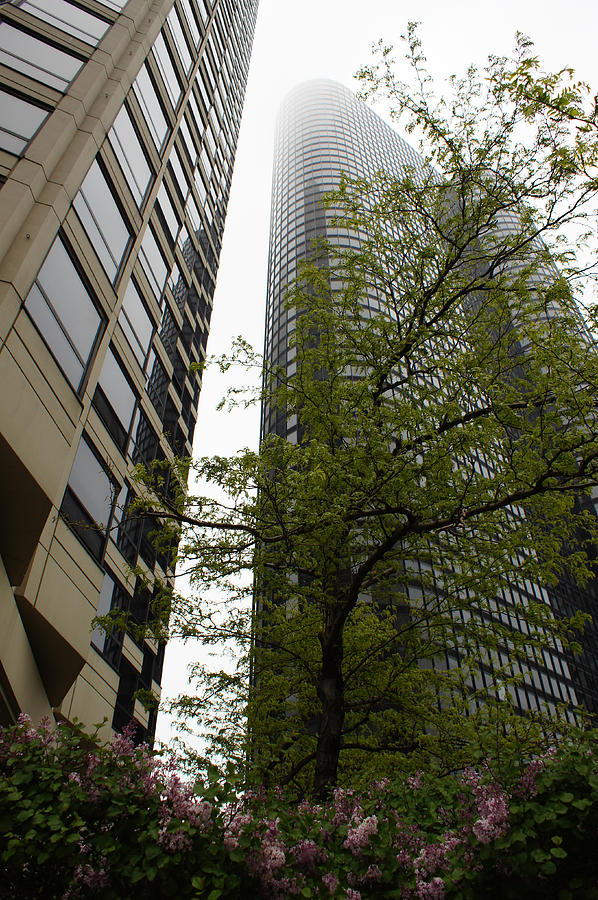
(153, 263)
(179, 38)
(19, 120)
(136, 323)
(172, 83)
(129, 152)
(117, 389)
(102, 220)
(91, 484)
(69, 18)
(65, 314)
(191, 21)
(36, 59)
(150, 106)
(168, 212)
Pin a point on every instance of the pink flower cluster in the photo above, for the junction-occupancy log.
(492, 807)
(359, 837)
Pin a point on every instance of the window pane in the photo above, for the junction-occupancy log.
(98, 635)
(128, 150)
(136, 323)
(172, 83)
(91, 484)
(51, 66)
(117, 389)
(150, 106)
(51, 328)
(102, 220)
(19, 120)
(174, 161)
(179, 38)
(191, 22)
(62, 309)
(168, 212)
(69, 18)
(153, 263)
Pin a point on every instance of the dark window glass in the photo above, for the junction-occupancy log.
(144, 440)
(98, 635)
(61, 307)
(179, 287)
(157, 386)
(169, 332)
(37, 59)
(102, 220)
(19, 120)
(151, 107)
(129, 152)
(67, 17)
(136, 323)
(125, 699)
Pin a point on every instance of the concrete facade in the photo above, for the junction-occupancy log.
(118, 129)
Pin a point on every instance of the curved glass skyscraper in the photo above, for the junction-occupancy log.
(323, 131)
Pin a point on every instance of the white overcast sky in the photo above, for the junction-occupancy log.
(300, 39)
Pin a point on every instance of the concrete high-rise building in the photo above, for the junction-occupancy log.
(323, 130)
(118, 128)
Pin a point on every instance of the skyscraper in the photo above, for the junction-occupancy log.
(118, 130)
(324, 130)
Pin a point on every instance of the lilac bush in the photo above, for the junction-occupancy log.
(79, 819)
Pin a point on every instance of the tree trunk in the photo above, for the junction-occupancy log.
(331, 692)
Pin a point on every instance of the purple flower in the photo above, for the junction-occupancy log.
(433, 890)
(359, 837)
(331, 882)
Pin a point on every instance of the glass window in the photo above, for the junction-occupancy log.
(61, 307)
(196, 117)
(35, 58)
(117, 390)
(90, 482)
(150, 106)
(203, 11)
(193, 213)
(175, 163)
(166, 67)
(178, 286)
(129, 152)
(168, 212)
(153, 263)
(102, 220)
(19, 120)
(179, 38)
(200, 185)
(115, 4)
(191, 21)
(144, 440)
(69, 18)
(136, 323)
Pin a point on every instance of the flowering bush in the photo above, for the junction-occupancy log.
(79, 819)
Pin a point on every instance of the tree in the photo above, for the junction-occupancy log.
(449, 444)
